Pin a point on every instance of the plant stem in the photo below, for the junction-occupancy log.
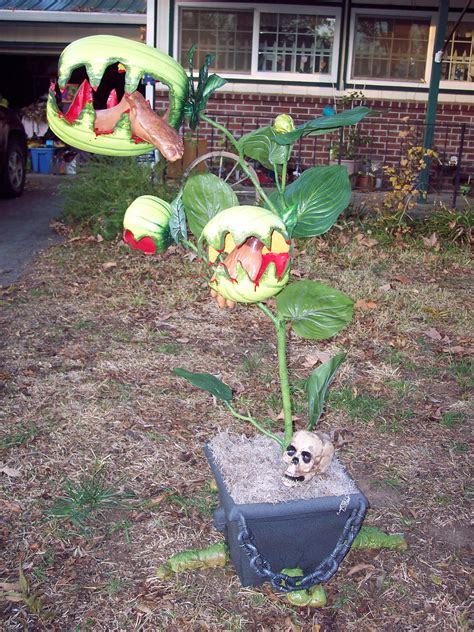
(284, 380)
(256, 424)
(280, 328)
(189, 244)
(242, 161)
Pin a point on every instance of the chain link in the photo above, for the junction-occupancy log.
(325, 570)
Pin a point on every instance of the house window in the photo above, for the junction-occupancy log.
(225, 34)
(299, 42)
(390, 48)
(458, 59)
(295, 43)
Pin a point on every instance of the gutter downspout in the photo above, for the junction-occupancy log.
(430, 121)
(343, 47)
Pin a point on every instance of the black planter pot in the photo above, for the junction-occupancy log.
(265, 538)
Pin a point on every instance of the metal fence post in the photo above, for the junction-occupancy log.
(457, 177)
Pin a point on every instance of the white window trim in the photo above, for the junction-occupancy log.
(256, 74)
(386, 83)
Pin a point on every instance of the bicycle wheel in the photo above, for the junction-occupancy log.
(225, 165)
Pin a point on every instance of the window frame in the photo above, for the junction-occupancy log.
(387, 83)
(262, 76)
(449, 84)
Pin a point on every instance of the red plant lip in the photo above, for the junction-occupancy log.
(82, 96)
(280, 259)
(145, 244)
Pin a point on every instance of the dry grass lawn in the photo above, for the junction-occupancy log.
(88, 341)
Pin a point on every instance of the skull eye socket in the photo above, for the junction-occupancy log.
(291, 450)
(306, 456)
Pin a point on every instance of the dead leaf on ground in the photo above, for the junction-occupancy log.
(10, 586)
(360, 567)
(143, 607)
(295, 272)
(10, 471)
(109, 264)
(365, 305)
(431, 242)
(290, 626)
(385, 288)
(433, 334)
(401, 278)
(368, 242)
(457, 350)
(313, 358)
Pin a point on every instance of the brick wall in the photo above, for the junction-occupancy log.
(242, 113)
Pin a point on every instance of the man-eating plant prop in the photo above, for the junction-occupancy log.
(246, 250)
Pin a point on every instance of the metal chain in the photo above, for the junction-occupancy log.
(325, 570)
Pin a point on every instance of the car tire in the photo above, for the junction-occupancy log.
(12, 179)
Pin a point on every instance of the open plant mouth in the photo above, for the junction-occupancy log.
(249, 254)
(127, 126)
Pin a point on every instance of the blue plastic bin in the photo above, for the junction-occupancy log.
(42, 159)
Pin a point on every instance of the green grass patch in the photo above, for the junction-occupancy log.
(17, 437)
(90, 497)
(359, 407)
(203, 500)
(453, 419)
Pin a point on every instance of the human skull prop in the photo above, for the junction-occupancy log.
(308, 454)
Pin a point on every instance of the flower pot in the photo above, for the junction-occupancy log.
(348, 163)
(265, 538)
(365, 182)
(192, 150)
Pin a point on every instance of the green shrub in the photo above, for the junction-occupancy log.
(104, 187)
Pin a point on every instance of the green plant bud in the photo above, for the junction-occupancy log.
(283, 124)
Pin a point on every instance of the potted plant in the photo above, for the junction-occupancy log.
(344, 148)
(246, 252)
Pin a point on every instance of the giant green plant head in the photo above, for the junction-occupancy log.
(249, 253)
(115, 130)
(146, 224)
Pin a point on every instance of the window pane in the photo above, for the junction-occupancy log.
(225, 34)
(458, 60)
(390, 48)
(295, 43)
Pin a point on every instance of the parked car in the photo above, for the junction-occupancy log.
(13, 152)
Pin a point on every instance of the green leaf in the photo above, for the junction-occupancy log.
(206, 382)
(317, 387)
(315, 311)
(259, 145)
(325, 124)
(177, 225)
(314, 201)
(213, 83)
(205, 195)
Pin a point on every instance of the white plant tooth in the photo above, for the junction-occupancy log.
(132, 78)
(95, 72)
(63, 77)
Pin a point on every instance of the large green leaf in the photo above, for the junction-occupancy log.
(259, 145)
(205, 195)
(325, 124)
(206, 382)
(315, 311)
(317, 386)
(314, 201)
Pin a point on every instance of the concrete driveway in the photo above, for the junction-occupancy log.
(24, 225)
